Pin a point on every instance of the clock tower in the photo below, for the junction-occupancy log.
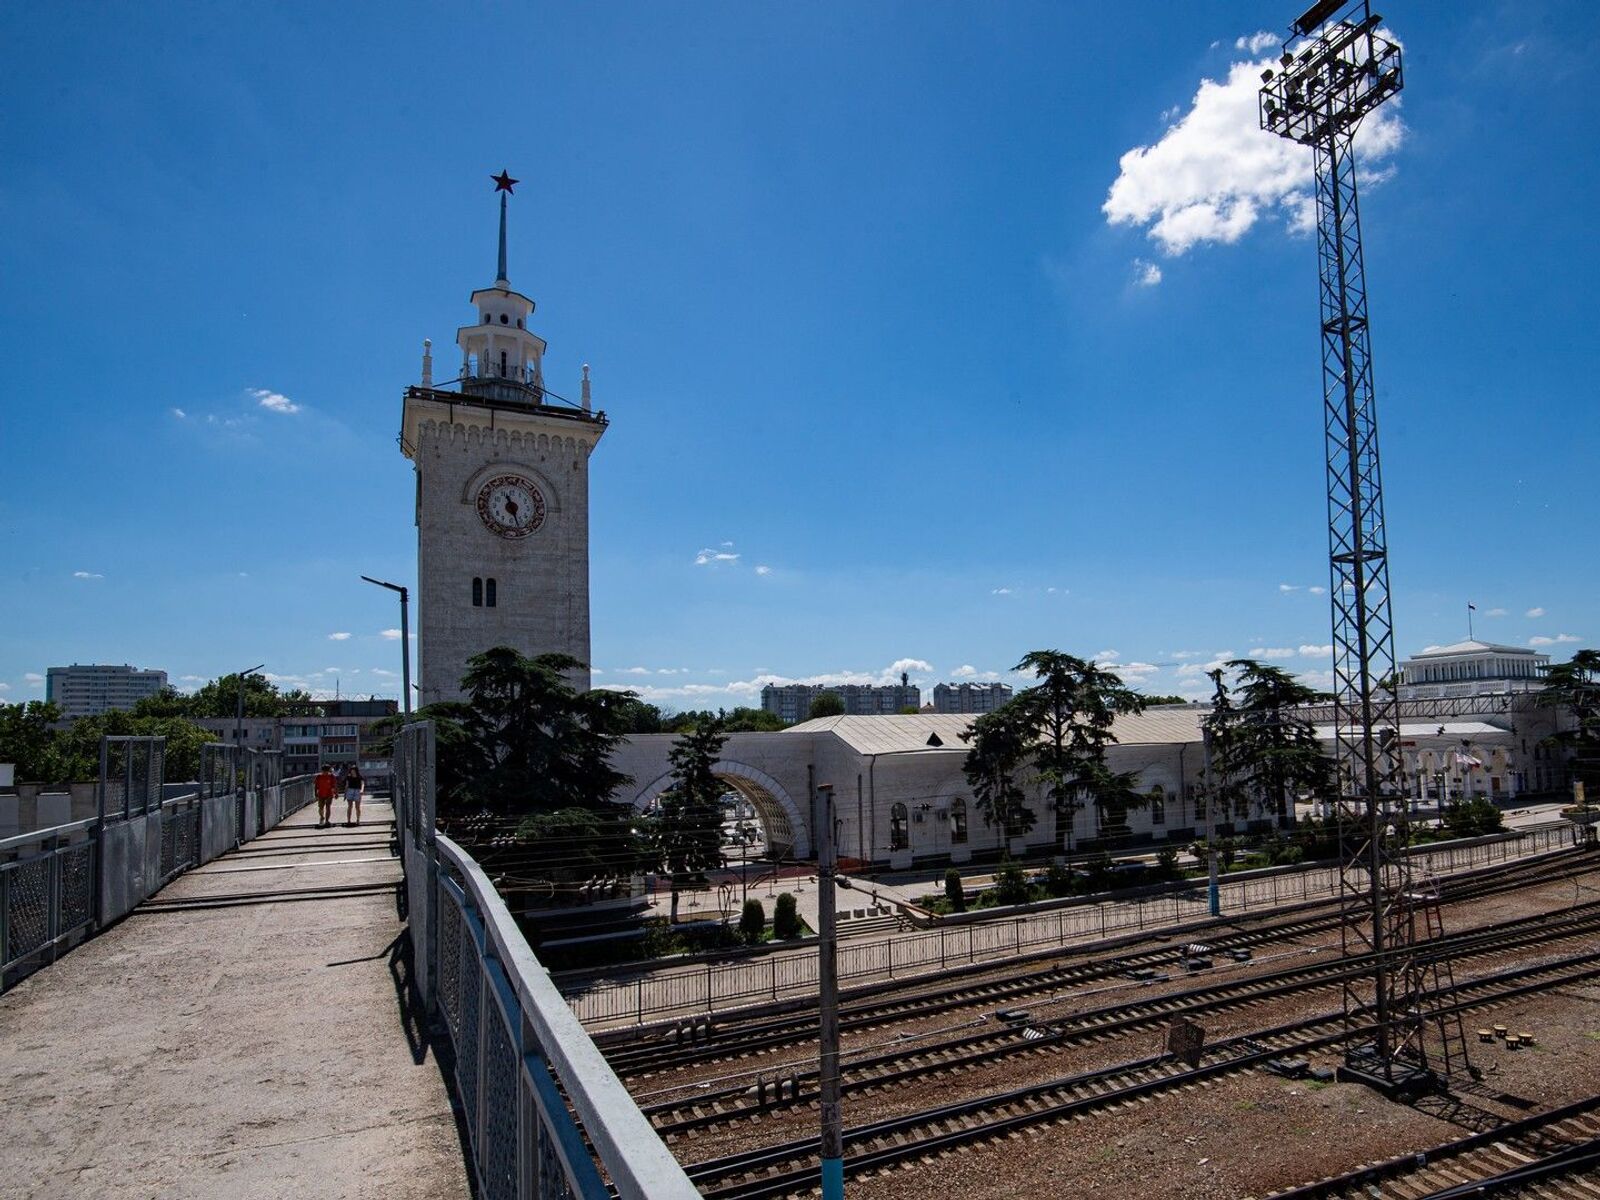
(502, 469)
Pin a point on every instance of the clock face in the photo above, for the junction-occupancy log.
(511, 506)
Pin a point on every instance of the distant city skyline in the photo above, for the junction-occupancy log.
(918, 371)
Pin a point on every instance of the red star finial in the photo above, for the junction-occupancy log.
(503, 181)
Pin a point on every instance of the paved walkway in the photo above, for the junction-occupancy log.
(239, 1035)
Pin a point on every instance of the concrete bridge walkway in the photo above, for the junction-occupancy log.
(244, 1033)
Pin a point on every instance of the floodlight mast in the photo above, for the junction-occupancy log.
(1339, 71)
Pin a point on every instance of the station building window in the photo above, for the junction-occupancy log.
(958, 822)
(899, 828)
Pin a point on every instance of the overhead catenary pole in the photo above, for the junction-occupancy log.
(1213, 889)
(828, 1001)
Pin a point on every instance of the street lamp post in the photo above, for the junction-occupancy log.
(238, 715)
(405, 641)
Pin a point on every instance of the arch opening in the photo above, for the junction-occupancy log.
(784, 833)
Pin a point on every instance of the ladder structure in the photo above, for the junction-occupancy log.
(1336, 69)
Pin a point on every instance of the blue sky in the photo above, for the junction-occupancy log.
(909, 361)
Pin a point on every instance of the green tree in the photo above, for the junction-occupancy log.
(1072, 709)
(29, 740)
(1001, 741)
(536, 744)
(826, 704)
(1270, 752)
(1011, 885)
(1573, 688)
(954, 890)
(688, 826)
(181, 754)
(785, 917)
(740, 720)
(752, 921)
(220, 698)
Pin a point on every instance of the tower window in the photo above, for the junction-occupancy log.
(519, 322)
(502, 318)
(488, 594)
(477, 592)
(486, 318)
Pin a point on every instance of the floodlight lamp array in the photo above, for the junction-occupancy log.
(1328, 83)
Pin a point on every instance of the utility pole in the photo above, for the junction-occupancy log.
(828, 1003)
(238, 716)
(1213, 890)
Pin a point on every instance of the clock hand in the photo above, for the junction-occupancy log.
(511, 507)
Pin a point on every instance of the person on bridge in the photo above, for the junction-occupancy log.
(352, 794)
(327, 785)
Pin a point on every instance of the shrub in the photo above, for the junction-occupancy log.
(785, 920)
(1167, 862)
(1474, 818)
(1057, 880)
(752, 921)
(1011, 885)
(954, 891)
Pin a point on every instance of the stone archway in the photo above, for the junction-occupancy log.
(787, 833)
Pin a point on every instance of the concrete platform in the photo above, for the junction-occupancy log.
(243, 1034)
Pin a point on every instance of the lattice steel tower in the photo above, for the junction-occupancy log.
(1336, 73)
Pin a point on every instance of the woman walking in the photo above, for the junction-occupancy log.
(352, 795)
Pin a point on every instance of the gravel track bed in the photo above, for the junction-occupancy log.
(1047, 1063)
(1319, 947)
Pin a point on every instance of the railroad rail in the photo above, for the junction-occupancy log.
(1495, 1162)
(639, 1052)
(703, 1109)
(791, 1167)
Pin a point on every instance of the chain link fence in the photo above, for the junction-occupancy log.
(60, 885)
(708, 986)
(546, 1117)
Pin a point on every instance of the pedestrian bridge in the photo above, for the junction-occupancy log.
(212, 996)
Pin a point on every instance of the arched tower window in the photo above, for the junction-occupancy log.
(958, 822)
(503, 319)
(899, 828)
(489, 593)
(477, 592)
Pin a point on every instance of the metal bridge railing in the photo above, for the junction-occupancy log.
(545, 1114)
(61, 885)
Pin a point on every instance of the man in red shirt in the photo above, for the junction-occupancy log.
(327, 785)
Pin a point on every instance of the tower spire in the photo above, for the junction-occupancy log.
(503, 183)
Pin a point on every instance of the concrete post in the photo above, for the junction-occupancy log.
(827, 949)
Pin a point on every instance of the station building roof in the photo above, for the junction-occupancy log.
(909, 732)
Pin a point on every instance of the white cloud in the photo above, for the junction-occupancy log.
(1321, 680)
(634, 671)
(1145, 274)
(33, 677)
(1496, 612)
(5, 687)
(1182, 654)
(381, 671)
(712, 558)
(1256, 43)
(341, 636)
(965, 671)
(1315, 590)
(274, 401)
(1137, 672)
(1271, 652)
(391, 635)
(1534, 612)
(179, 413)
(1105, 655)
(1215, 172)
(86, 575)
(1193, 670)
(763, 569)
(1000, 591)
(1288, 587)
(1309, 651)
(1559, 639)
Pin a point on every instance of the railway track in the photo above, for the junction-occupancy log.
(639, 1053)
(792, 1167)
(1534, 1157)
(703, 1108)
